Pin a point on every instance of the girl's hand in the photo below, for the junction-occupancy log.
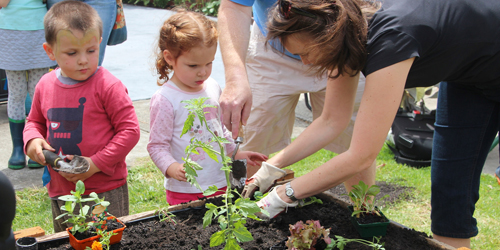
(176, 171)
(253, 158)
(80, 177)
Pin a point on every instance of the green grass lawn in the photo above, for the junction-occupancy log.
(146, 193)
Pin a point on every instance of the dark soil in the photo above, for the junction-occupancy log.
(395, 193)
(189, 233)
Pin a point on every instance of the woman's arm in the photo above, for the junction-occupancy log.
(381, 99)
(336, 115)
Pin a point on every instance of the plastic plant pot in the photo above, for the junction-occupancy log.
(82, 244)
(26, 243)
(368, 231)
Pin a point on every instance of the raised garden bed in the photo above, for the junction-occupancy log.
(144, 231)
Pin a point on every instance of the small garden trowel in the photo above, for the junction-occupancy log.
(238, 168)
(76, 166)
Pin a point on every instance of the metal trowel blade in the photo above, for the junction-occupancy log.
(76, 166)
(238, 173)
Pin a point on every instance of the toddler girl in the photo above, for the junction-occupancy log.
(186, 47)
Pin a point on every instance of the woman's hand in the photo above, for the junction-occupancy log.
(263, 180)
(273, 204)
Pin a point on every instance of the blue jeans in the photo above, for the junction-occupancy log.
(107, 11)
(466, 124)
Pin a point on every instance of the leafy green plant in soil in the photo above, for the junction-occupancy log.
(231, 216)
(363, 198)
(77, 218)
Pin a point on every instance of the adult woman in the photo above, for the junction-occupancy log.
(407, 43)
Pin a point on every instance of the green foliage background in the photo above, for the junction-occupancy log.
(207, 7)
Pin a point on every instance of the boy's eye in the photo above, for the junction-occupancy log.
(92, 51)
(71, 53)
(192, 66)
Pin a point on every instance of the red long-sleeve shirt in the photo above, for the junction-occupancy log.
(93, 118)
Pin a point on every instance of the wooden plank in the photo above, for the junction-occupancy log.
(29, 232)
(289, 175)
(54, 236)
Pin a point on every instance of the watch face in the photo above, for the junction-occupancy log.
(289, 191)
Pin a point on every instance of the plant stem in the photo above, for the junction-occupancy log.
(228, 181)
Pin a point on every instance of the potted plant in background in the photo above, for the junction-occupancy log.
(82, 233)
(366, 217)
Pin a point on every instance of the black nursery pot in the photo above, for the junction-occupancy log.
(26, 243)
(368, 231)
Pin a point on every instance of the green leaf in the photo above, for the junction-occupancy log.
(80, 187)
(188, 124)
(242, 233)
(217, 238)
(67, 198)
(190, 167)
(373, 190)
(211, 153)
(247, 206)
(210, 190)
(94, 195)
(60, 216)
(231, 244)
(69, 206)
(84, 210)
(87, 199)
(209, 214)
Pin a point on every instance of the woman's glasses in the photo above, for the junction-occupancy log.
(286, 7)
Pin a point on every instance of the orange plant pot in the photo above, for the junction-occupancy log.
(82, 244)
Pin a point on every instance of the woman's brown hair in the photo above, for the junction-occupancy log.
(338, 30)
(181, 32)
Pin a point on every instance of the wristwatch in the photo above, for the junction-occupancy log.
(289, 192)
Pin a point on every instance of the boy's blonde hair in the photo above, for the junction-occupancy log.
(70, 15)
(181, 32)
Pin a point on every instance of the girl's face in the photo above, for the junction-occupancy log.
(76, 52)
(297, 44)
(192, 67)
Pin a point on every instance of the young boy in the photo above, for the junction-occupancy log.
(81, 109)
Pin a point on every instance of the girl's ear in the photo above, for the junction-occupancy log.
(168, 57)
(50, 52)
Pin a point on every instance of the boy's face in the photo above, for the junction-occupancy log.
(76, 52)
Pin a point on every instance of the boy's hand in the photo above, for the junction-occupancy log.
(34, 150)
(176, 171)
(253, 158)
(80, 177)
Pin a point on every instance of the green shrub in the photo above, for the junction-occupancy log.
(207, 7)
